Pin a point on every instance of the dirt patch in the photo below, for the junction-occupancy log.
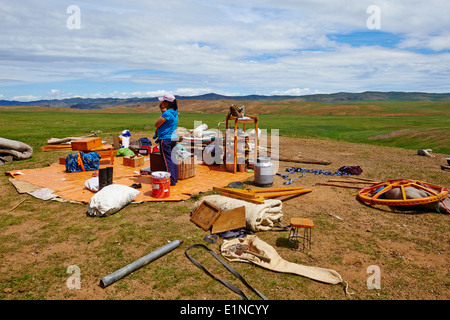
(390, 134)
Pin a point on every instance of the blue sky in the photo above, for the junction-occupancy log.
(69, 48)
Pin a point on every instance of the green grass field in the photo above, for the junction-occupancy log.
(422, 125)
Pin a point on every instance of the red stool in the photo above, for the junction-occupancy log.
(295, 236)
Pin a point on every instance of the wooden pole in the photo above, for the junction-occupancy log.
(305, 160)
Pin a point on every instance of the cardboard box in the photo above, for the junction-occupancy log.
(86, 144)
(133, 161)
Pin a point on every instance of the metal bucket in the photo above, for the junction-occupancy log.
(263, 172)
(160, 184)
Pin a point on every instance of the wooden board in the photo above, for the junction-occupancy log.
(256, 200)
(258, 195)
(205, 215)
(240, 194)
(230, 220)
(116, 142)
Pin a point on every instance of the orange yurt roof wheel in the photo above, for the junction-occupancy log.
(381, 193)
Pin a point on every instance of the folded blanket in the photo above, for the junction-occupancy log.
(68, 140)
(18, 150)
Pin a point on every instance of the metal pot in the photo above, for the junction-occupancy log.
(263, 172)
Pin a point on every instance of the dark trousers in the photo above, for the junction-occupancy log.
(166, 146)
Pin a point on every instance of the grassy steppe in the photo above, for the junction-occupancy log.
(409, 125)
(39, 240)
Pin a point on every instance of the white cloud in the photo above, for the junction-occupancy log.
(198, 45)
(26, 98)
(295, 92)
(435, 43)
(191, 91)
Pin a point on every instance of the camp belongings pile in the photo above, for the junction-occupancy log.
(262, 217)
(248, 247)
(258, 217)
(109, 198)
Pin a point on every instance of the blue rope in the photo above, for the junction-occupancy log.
(303, 170)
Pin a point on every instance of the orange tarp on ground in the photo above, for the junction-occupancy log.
(70, 186)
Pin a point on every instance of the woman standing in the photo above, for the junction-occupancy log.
(166, 127)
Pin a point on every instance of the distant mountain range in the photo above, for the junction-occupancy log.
(100, 103)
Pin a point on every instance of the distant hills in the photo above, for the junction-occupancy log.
(100, 103)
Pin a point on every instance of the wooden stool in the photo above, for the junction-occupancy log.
(294, 232)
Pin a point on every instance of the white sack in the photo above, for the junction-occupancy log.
(259, 217)
(92, 184)
(111, 199)
(198, 132)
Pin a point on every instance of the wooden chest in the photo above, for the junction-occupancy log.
(133, 161)
(86, 144)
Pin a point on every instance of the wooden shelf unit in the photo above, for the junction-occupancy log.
(237, 121)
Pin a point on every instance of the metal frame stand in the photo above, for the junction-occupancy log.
(295, 235)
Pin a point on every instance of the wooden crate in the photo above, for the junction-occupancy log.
(187, 168)
(229, 220)
(205, 215)
(133, 161)
(86, 144)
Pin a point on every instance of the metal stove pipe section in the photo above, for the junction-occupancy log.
(123, 272)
